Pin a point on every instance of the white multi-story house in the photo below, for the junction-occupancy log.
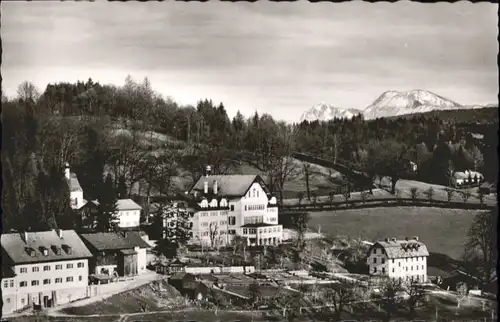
(129, 213)
(404, 260)
(234, 205)
(44, 268)
(75, 190)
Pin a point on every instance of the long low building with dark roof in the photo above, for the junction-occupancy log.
(43, 268)
(116, 254)
(400, 259)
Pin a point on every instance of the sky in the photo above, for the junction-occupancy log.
(276, 58)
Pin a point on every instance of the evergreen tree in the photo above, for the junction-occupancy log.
(107, 209)
(177, 231)
(122, 189)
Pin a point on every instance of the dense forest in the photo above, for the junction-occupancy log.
(137, 138)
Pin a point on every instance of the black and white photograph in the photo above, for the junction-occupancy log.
(232, 161)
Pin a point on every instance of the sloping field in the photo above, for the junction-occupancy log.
(154, 296)
(442, 230)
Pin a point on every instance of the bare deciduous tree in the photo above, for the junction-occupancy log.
(466, 194)
(480, 255)
(449, 193)
(213, 231)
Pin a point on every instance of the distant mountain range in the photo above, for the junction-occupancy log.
(389, 104)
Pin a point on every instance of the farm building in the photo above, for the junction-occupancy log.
(116, 254)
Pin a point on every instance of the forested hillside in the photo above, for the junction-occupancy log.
(144, 140)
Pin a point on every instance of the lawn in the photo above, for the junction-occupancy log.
(442, 230)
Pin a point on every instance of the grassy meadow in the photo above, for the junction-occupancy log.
(442, 230)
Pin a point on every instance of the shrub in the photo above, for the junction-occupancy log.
(429, 193)
(364, 196)
(331, 196)
(449, 193)
(314, 198)
(414, 193)
(465, 195)
(300, 196)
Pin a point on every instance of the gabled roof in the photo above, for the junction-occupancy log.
(17, 248)
(402, 248)
(127, 204)
(114, 240)
(235, 185)
(73, 183)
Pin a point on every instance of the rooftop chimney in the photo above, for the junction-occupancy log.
(24, 236)
(415, 238)
(387, 240)
(208, 170)
(406, 238)
(205, 187)
(393, 239)
(216, 188)
(66, 171)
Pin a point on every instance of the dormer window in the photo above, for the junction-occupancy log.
(30, 251)
(56, 250)
(67, 249)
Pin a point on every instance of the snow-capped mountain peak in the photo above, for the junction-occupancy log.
(325, 112)
(393, 103)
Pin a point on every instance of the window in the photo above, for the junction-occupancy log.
(69, 265)
(245, 231)
(393, 261)
(8, 300)
(5, 284)
(35, 283)
(232, 207)
(69, 279)
(374, 269)
(22, 301)
(80, 278)
(257, 193)
(231, 232)
(383, 260)
(399, 264)
(11, 283)
(245, 207)
(23, 284)
(58, 267)
(383, 270)
(58, 280)
(23, 270)
(393, 270)
(35, 269)
(46, 268)
(46, 281)
(375, 251)
(422, 266)
(375, 261)
(232, 220)
(80, 265)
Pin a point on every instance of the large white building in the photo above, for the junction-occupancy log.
(404, 260)
(234, 205)
(44, 268)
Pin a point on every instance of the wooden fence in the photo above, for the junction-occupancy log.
(389, 202)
